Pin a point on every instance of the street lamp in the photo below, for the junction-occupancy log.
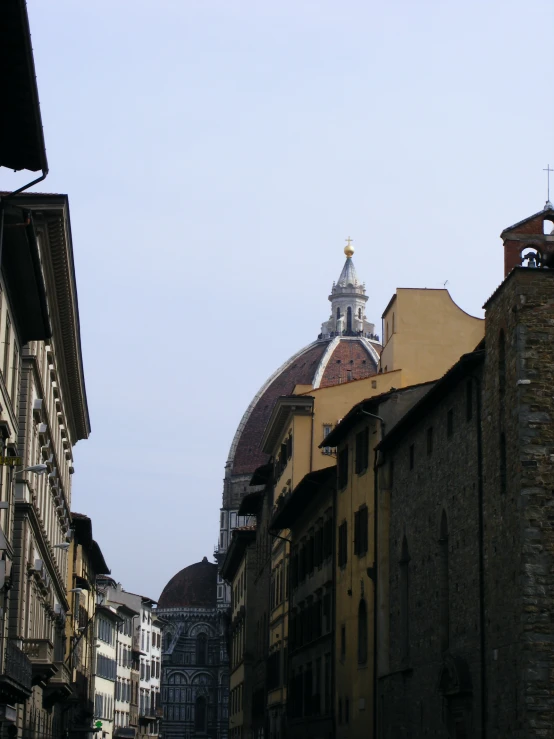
(64, 546)
(76, 590)
(38, 469)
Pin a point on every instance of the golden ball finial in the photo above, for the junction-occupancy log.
(349, 249)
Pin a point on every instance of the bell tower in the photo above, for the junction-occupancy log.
(531, 241)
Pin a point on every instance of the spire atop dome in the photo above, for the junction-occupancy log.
(348, 299)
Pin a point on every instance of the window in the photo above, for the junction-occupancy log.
(201, 649)
(501, 364)
(429, 441)
(450, 423)
(404, 602)
(444, 608)
(469, 400)
(346, 710)
(343, 642)
(328, 538)
(361, 531)
(200, 715)
(326, 431)
(15, 371)
(7, 349)
(412, 456)
(362, 451)
(327, 684)
(362, 633)
(340, 710)
(343, 468)
(343, 545)
(503, 462)
(327, 612)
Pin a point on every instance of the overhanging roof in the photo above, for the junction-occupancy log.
(251, 504)
(240, 541)
(23, 274)
(21, 134)
(282, 410)
(262, 474)
(295, 503)
(51, 214)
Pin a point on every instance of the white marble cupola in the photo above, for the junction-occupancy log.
(348, 299)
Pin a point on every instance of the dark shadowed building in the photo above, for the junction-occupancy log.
(195, 674)
(465, 647)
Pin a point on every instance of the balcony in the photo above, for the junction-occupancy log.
(58, 688)
(125, 732)
(41, 654)
(136, 644)
(15, 675)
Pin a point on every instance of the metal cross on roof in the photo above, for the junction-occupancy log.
(349, 240)
(548, 171)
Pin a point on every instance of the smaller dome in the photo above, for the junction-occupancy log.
(349, 249)
(194, 587)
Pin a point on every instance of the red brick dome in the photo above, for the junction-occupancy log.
(323, 363)
(194, 586)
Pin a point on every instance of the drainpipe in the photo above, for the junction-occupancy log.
(480, 496)
(372, 571)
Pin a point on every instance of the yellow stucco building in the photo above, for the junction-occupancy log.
(418, 351)
(424, 334)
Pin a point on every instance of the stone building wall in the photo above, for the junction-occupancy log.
(433, 520)
(451, 680)
(519, 483)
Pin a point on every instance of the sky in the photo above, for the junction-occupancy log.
(216, 154)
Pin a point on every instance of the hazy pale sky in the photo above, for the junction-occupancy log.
(216, 154)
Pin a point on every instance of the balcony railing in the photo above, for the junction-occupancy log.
(58, 687)
(41, 654)
(15, 673)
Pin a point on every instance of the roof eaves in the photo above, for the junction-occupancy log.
(391, 301)
(463, 366)
(240, 541)
(355, 413)
(282, 518)
(549, 210)
(284, 407)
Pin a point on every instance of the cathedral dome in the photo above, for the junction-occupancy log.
(194, 586)
(346, 349)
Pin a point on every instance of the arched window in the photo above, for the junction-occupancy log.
(444, 600)
(338, 313)
(349, 319)
(362, 633)
(200, 715)
(360, 313)
(404, 602)
(201, 649)
(501, 364)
